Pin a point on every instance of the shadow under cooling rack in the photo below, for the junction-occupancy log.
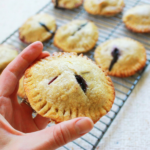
(109, 28)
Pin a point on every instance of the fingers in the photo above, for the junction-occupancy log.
(58, 135)
(27, 109)
(16, 68)
(4, 125)
(41, 122)
(44, 54)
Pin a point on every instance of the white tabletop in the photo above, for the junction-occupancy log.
(131, 128)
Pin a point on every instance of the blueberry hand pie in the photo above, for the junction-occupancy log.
(137, 19)
(7, 54)
(65, 86)
(40, 27)
(121, 57)
(104, 7)
(67, 4)
(21, 93)
(77, 36)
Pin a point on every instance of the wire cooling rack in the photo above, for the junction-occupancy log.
(109, 28)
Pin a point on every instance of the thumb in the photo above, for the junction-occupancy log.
(56, 136)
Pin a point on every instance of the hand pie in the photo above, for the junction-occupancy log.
(7, 54)
(21, 93)
(67, 4)
(121, 57)
(65, 86)
(104, 7)
(137, 19)
(77, 36)
(40, 27)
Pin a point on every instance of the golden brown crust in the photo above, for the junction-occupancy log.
(132, 56)
(106, 8)
(64, 99)
(133, 29)
(69, 39)
(61, 48)
(137, 19)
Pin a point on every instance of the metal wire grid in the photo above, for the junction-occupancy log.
(108, 28)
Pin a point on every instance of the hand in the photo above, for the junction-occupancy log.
(18, 130)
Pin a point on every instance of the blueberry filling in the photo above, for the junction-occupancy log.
(82, 82)
(115, 53)
(52, 80)
(79, 79)
(79, 28)
(46, 28)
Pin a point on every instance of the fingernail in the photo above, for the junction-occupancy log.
(83, 125)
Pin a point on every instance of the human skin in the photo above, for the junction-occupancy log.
(18, 130)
